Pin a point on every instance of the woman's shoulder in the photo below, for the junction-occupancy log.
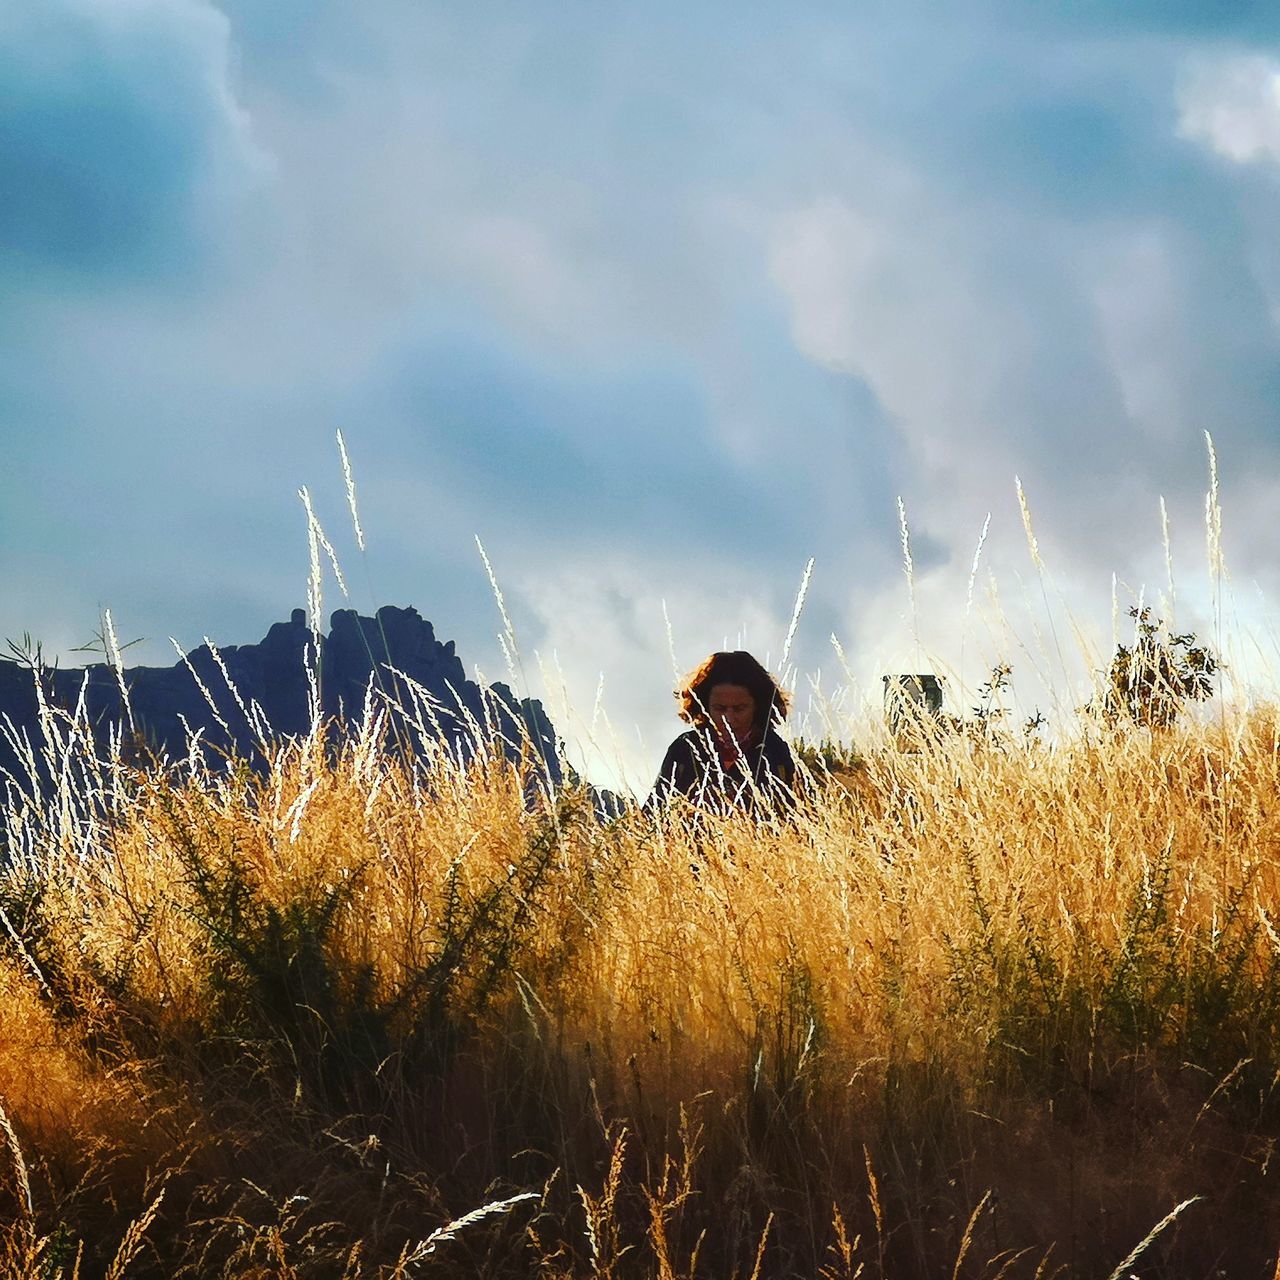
(776, 749)
(691, 740)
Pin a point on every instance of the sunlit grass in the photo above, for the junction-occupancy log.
(346, 1003)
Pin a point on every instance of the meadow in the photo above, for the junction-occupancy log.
(986, 1007)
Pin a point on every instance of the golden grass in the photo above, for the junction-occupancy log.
(988, 1011)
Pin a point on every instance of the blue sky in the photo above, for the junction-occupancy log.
(657, 302)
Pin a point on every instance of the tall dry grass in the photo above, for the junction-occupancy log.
(985, 1009)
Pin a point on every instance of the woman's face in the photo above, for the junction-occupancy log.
(732, 708)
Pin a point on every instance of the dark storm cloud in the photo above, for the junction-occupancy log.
(116, 129)
(628, 452)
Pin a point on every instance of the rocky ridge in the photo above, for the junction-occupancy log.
(169, 705)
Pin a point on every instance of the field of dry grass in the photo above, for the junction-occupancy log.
(986, 1009)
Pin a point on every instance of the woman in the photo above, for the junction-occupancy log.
(733, 756)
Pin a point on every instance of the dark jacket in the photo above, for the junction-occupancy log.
(763, 774)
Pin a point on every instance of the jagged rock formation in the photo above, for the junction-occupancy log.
(168, 703)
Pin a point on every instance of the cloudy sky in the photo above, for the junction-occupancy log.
(658, 300)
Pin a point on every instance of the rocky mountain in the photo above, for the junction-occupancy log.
(169, 704)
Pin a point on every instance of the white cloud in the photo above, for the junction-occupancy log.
(883, 296)
(1233, 105)
(894, 296)
(1139, 295)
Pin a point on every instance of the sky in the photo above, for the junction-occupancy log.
(659, 302)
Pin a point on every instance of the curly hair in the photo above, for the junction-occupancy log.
(736, 667)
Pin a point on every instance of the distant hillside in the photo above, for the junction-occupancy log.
(169, 705)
